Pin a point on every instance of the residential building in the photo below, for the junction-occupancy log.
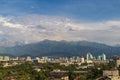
(28, 58)
(118, 62)
(6, 58)
(111, 73)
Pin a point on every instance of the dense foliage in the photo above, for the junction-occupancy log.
(26, 71)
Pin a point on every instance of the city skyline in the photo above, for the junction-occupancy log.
(37, 20)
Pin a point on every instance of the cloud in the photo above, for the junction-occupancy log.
(34, 28)
(1, 32)
(5, 22)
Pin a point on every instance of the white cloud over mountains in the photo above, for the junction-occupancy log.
(5, 22)
(34, 28)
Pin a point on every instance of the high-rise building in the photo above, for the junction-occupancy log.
(99, 57)
(89, 56)
(102, 57)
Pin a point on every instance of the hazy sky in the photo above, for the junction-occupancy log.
(28, 21)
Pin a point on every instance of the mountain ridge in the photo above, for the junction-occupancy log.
(61, 48)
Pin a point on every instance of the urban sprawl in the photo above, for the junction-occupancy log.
(66, 68)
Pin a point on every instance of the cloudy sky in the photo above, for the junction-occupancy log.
(30, 21)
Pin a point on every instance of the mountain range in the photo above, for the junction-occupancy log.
(60, 48)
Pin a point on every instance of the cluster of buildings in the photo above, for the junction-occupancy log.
(100, 57)
(62, 60)
(70, 60)
(112, 74)
(4, 58)
(90, 59)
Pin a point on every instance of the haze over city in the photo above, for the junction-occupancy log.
(31, 21)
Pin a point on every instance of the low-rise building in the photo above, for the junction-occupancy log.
(118, 62)
(1, 58)
(59, 76)
(112, 74)
(28, 58)
(89, 61)
(6, 58)
(100, 61)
